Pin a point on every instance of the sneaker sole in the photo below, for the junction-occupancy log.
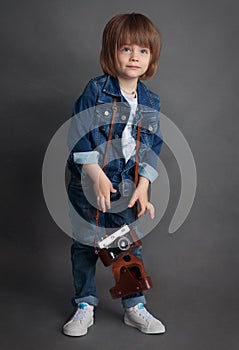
(76, 332)
(142, 329)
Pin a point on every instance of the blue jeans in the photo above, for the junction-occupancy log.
(84, 260)
(83, 255)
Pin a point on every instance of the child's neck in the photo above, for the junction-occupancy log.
(129, 86)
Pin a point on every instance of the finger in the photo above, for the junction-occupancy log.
(142, 211)
(102, 204)
(112, 189)
(132, 201)
(107, 202)
(151, 210)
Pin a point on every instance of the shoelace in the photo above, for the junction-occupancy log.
(80, 313)
(144, 313)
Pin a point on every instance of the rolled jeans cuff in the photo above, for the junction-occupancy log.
(131, 302)
(90, 299)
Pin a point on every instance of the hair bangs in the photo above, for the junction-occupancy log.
(134, 32)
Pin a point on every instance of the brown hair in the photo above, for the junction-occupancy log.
(136, 29)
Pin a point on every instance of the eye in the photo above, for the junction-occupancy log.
(125, 49)
(144, 51)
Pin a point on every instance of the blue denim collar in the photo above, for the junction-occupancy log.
(112, 88)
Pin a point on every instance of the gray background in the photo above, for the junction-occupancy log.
(49, 50)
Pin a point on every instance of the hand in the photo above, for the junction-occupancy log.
(103, 187)
(141, 195)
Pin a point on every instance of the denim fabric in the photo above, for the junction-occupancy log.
(84, 266)
(87, 139)
(83, 211)
(83, 256)
(90, 127)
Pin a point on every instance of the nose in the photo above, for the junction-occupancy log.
(134, 57)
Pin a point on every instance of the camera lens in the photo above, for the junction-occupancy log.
(124, 243)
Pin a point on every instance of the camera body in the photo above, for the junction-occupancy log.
(117, 244)
(128, 270)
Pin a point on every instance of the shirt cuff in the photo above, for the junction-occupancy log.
(86, 157)
(147, 171)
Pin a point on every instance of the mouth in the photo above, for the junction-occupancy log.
(133, 67)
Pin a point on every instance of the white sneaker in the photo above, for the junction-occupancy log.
(79, 323)
(141, 319)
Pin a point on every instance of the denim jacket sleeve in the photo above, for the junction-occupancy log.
(80, 135)
(151, 142)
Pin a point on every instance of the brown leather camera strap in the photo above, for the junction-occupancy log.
(110, 135)
(136, 175)
(114, 107)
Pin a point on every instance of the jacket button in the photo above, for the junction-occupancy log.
(123, 117)
(106, 113)
(150, 128)
(116, 136)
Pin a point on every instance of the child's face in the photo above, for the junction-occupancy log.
(132, 61)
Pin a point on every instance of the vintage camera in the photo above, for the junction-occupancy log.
(117, 244)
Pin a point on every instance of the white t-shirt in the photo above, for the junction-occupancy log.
(127, 141)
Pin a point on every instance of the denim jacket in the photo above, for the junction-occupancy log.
(90, 127)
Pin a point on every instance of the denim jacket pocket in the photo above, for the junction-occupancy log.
(103, 114)
(102, 118)
(149, 127)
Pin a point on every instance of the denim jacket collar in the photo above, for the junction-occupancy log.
(112, 87)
